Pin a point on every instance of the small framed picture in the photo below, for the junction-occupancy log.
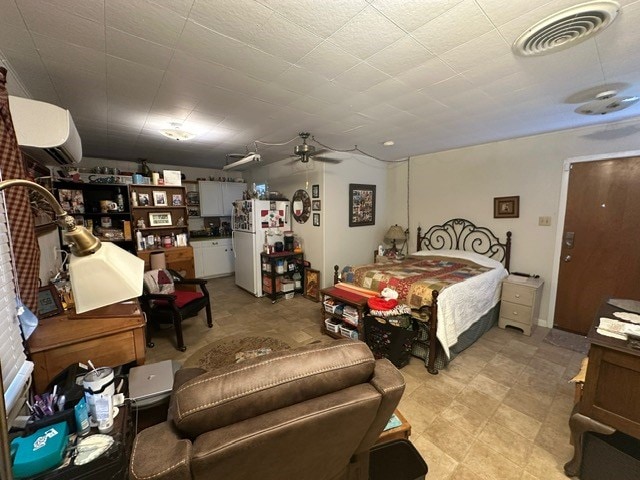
(49, 302)
(506, 207)
(176, 199)
(316, 219)
(315, 205)
(159, 198)
(143, 199)
(315, 191)
(160, 219)
(312, 284)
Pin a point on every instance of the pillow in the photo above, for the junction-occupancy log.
(158, 281)
(472, 256)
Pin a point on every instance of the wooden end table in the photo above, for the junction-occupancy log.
(403, 431)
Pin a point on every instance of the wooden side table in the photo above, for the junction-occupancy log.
(108, 336)
(344, 297)
(403, 431)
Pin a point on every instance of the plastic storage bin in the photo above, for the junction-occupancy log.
(388, 341)
(332, 325)
(349, 332)
(397, 460)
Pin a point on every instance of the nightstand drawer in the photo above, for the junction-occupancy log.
(514, 311)
(517, 294)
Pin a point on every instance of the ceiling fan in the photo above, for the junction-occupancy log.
(305, 151)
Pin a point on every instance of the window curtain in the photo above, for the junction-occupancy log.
(21, 224)
(16, 213)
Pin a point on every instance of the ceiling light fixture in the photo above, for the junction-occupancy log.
(176, 133)
(607, 102)
(389, 143)
(250, 157)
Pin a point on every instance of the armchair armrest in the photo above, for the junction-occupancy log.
(191, 281)
(160, 453)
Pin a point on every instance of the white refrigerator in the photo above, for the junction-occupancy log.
(255, 221)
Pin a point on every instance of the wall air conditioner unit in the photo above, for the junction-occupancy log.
(45, 132)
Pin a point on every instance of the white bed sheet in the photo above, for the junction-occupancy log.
(462, 304)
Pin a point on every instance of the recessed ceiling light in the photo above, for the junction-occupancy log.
(176, 133)
(388, 143)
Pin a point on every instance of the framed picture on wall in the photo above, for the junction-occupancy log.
(160, 219)
(315, 205)
(315, 191)
(506, 207)
(316, 219)
(362, 205)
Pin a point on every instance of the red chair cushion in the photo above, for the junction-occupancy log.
(182, 298)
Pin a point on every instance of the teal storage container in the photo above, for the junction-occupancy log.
(39, 451)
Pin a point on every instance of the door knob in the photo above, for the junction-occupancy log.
(567, 258)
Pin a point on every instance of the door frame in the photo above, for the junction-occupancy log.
(562, 207)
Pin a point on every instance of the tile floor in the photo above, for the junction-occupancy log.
(499, 411)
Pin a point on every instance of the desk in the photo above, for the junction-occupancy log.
(611, 393)
(108, 336)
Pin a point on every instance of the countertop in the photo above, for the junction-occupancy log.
(198, 238)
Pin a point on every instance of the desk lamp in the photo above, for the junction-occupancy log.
(101, 273)
(395, 234)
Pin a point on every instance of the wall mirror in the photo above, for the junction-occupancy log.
(301, 206)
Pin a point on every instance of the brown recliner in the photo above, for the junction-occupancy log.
(308, 413)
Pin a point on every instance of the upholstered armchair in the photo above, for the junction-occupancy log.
(164, 301)
(308, 413)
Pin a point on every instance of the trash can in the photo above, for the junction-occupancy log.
(396, 460)
(387, 340)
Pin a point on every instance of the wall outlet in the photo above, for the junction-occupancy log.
(544, 221)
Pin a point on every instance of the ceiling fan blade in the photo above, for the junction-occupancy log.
(327, 160)
(319, 152)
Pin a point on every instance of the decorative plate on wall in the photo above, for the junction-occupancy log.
(301, 206)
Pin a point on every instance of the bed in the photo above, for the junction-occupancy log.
(452, 284)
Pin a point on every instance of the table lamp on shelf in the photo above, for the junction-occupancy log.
(396, 234)
(101, 273)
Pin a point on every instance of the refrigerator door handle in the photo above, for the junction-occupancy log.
(233, 243)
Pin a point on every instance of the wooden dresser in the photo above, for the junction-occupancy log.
(108, 336)
(611, 394)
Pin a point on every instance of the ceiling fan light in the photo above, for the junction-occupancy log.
(389, 143)
(177, 134)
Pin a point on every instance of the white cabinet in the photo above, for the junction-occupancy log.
(231, 192)
(216, 198)
(520, 302)
(213, 257)
(211, 204)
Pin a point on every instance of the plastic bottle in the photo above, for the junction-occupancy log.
(119, 200)
(82, 417)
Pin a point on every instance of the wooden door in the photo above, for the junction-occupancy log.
(603, 258)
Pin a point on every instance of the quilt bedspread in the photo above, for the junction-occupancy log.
(414, 278)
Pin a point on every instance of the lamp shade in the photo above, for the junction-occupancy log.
(395, 232)
(107, 276)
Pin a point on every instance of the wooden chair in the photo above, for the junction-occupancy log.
(164, 302)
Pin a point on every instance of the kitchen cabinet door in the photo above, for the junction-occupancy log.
(231, 192)
(222, 261)
(211, 202)
(214, 258)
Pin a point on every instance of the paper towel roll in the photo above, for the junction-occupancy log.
(157, 260)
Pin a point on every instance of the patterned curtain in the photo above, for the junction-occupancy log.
(25, 244)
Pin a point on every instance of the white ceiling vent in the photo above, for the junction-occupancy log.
(566, 28)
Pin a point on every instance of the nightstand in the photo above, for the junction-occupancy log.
(520, 302)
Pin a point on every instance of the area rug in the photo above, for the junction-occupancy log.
(230, 350)
(572, 341)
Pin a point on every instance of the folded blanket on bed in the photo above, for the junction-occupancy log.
(414, 278)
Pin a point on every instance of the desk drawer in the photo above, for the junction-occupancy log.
(514, 311)
(517, 294)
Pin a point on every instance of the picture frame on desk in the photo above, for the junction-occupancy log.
(160, 219)
(312, 284)
(159, 198)
(49, 303)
